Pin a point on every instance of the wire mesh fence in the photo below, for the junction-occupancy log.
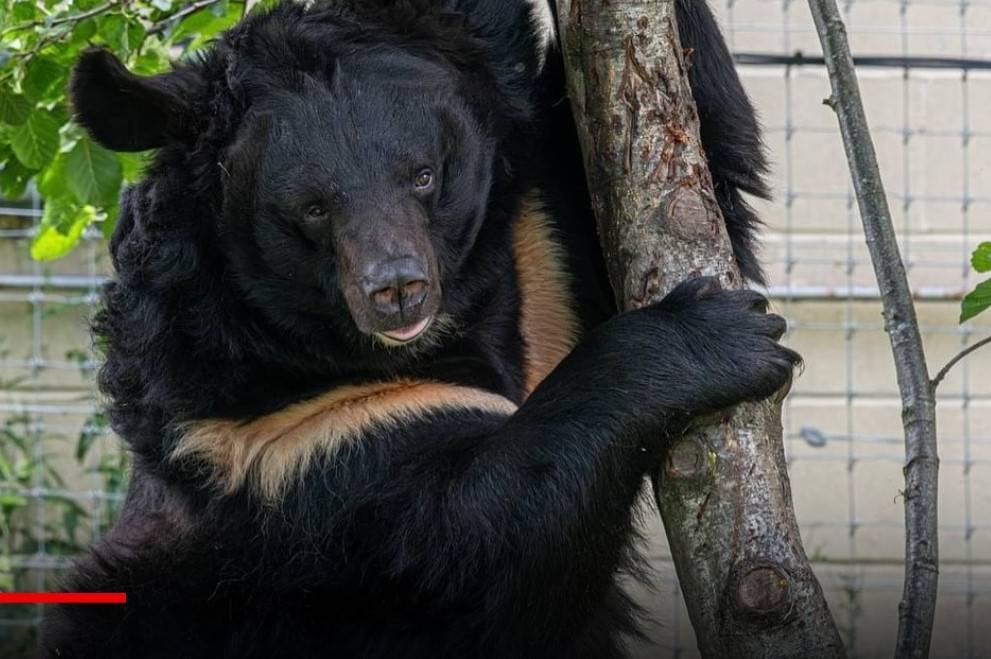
(925, 68)
(61, 474)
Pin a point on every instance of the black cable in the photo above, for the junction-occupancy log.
(883, 61)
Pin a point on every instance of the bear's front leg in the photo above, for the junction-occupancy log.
(507, 529)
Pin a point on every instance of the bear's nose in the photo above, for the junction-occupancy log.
(396, 286)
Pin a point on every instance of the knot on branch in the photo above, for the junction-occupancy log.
(687, 459)
(761, 592)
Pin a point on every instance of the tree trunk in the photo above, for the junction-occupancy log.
(723, 492)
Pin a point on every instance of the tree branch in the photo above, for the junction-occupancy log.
(724, 494)
(179, 15)
(71, 18)
(918, 603)
(953, 362)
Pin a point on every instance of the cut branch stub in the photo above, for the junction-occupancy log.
(762, 591)
(686, 459)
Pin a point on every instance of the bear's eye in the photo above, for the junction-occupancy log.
(424, 180)
(316, 212)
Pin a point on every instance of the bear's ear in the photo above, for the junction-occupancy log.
(127, 112)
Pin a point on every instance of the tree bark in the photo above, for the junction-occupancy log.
(724, 492)
(918, 605)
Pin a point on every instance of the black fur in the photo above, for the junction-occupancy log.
(465, 533)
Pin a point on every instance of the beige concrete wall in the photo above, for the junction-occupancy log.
(847, 492)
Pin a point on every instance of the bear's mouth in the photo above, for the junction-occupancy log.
(405, 335)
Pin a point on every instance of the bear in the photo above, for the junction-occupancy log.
(360, 344)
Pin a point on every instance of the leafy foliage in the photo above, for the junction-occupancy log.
(39, 42)
(980, 298)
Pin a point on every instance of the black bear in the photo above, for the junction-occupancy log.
(342, 343)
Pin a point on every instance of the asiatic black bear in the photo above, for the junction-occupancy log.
(342, 343)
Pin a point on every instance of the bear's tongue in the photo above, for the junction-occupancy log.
(409, 333)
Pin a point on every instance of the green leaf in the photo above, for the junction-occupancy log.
(122, 34)
(6, 469)
(153, 59)
(62, 225)
(976, 301)
(83, 5)
(228, 8)
(93, 174)
(207, 23)
(14, 179)
(51, 180)
(981, 258)
(22, 12)
(12, 501)
(263, 6)
(40, 74)
(133, 164)
(36, 140)
(14, 108)
(135, 34)
(84, 31)
(113, 32)
(85, 442)
(60, 112)
(109, 221)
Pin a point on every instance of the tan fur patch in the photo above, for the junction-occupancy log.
(269, 451)
(548, 323)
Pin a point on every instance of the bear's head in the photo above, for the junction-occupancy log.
(328, 169)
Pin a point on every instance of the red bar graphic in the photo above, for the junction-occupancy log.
(63, 598)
